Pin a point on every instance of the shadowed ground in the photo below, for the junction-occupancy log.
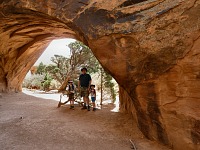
(28, 122)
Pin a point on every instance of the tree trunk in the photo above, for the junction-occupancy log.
(101, 88)
(63, 86)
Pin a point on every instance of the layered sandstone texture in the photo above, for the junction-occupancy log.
(151, 47)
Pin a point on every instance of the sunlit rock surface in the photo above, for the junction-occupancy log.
(151, 47)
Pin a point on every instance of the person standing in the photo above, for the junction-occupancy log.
(71, 91)
(84, 87)
(93, 96)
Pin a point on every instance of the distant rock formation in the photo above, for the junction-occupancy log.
(150, 47)
(33, 70)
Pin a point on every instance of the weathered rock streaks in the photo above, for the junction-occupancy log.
(150, 47)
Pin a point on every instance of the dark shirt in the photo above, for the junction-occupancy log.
(71, 87)
(84, 80)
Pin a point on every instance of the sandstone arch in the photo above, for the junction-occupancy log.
(150, 47)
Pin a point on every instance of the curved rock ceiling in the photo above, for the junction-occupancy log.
(151, 47)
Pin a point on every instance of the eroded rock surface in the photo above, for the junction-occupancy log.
(151, 47)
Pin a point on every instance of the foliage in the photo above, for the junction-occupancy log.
(109, 84)
(59, 69)
(54, 84)
(63, 68)
(82, 56)
(41, 69)
(46, 82)
(33, 82)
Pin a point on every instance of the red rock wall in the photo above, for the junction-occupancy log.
(171, 102)
(24, 36)
(179, 96)
(150, 47)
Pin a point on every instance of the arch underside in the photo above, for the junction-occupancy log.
(150, 47)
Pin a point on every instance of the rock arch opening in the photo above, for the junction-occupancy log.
(26, 35)
(151, 48)
(62, 61)
(57, 47)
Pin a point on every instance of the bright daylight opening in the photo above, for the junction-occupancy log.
(60, 62)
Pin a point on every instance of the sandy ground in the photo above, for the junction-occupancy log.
(32, 123)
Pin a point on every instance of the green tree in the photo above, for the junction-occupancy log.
(46, 82)
(33, 81)
(109, 84)
(63, 68)
(59, 69)
(80, 56)
(41, 69)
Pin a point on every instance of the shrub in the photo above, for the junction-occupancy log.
(33, 81)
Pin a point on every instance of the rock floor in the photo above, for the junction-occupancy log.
(27, 122)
